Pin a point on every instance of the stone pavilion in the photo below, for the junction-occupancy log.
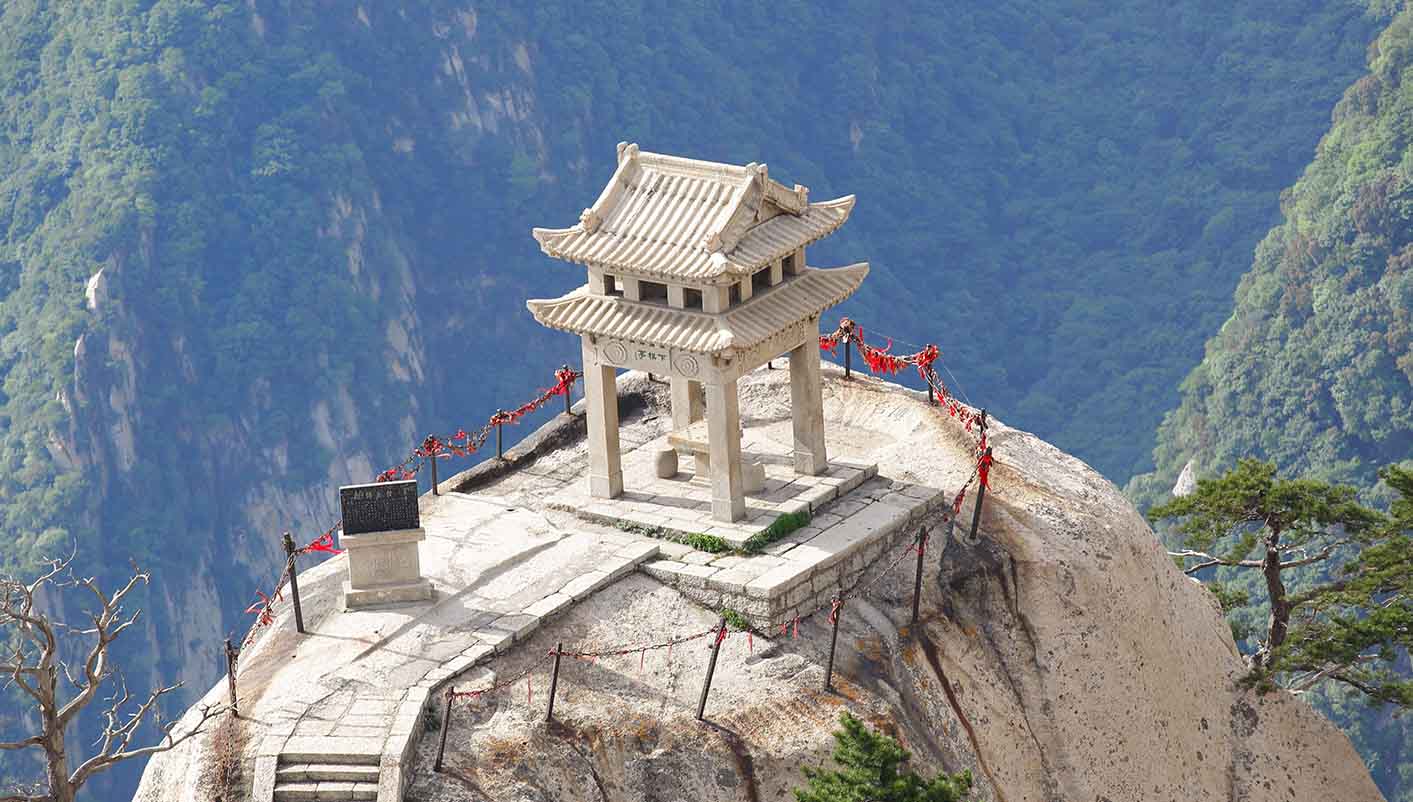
(696, 271)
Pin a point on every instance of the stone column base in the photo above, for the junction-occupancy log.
(393, 593)
(384, 568)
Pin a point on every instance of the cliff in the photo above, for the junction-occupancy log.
(1062, 656)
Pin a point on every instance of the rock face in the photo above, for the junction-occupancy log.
(1060, 657)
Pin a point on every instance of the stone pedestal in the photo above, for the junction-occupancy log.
(384, 568)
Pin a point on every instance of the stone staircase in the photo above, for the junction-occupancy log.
(326, 777)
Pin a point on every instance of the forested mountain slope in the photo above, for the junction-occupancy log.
(249, 251)
(1314, 368)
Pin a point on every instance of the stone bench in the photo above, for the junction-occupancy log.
(693, 440)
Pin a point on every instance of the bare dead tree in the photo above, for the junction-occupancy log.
(33, 664)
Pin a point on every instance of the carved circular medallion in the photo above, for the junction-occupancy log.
(615, 351)
(686, 364)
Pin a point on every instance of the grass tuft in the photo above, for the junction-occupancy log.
(778, 528)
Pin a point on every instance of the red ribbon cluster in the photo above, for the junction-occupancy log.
(883, 361)
(879, 360)
(464, 444)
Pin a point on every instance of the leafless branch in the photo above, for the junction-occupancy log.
(1322, 554)
(33, 664)
(28, 796)
(1208, 561)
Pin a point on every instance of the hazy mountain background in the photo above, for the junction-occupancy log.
(253, 250)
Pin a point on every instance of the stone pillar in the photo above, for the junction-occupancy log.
(723, 409)
(716, 299)
(807, 409)
(688, 402)
(601, 405)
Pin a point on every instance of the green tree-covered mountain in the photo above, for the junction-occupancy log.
(252, 250)
(1314, 368)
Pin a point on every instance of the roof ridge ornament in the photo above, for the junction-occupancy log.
(627, 150)
(590, 220)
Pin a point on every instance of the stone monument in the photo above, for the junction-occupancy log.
(697, 271)
(381, 530)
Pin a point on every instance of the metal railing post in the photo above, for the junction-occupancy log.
(834, 617)
(446, 725)
(554, 681)
(917, 582)
(980, 497)
(231, 652)
(568, 396)
(711, 667)
(293, 583)
(500, 452)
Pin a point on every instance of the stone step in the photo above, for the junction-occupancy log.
(341, 758)
(325, 792)
(332, 772)
(329, 749)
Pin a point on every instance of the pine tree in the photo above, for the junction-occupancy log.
(1350, 620)
(869, 771)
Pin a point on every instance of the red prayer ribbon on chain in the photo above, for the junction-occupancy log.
(464, 444)
(324, 543)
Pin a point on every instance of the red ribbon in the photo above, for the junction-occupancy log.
(264, 609)
(264, 602)
(834, 610)
(750, 643)
(396, 475)
(983, 467)
(324, 542)
(721, 636)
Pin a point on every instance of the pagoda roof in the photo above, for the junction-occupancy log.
(744, 326)
(692, 220)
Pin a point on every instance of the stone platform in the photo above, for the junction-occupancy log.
(803, 571)
(680, 506)
(855, 519)
(516, 551)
